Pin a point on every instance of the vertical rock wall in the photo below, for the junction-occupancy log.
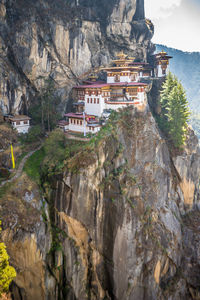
(122, 212)
(64, 40)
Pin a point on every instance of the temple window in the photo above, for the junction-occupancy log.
(17, 122)
(81, 122)
(90, 100)
(94, 100)
(77, 122)
(117, 78)
(97, 100)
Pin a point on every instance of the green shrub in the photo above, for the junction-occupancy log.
(7, 273)
(33, 165)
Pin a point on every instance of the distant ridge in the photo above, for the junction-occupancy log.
(186, 66)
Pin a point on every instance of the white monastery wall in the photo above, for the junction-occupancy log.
(125, 78)
(76, 127)
(93, 108)
(21, 128)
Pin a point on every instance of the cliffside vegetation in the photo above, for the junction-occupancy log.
(44, 109)
(7, 272)
(174, 111)
(185, 65)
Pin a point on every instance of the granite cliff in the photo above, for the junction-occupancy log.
(121, 219)
(64, 40)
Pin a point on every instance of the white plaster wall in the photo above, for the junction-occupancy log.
(94, 109)
(110, 79)
(66, 127)
(122, 79)
(137, 77)
(141, 96)
(78, 128)
(96, 129)
(117, 106)
(125, 78)
(160, 71)
(22, 128)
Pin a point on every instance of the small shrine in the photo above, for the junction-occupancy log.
(161, 64)
(19, 122)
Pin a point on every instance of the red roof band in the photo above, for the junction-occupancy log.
(110, 84)
(79, 116)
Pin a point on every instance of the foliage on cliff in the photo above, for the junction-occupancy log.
(7, 273)
(44, 110)
(174, 111)
(185, 65)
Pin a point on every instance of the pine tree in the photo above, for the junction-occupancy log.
(167, 87)
(174, 111)
(7, 273)
(44, 111)
(178, 115)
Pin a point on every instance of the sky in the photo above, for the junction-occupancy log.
(176, 22)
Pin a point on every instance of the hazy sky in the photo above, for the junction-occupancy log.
(177, 23)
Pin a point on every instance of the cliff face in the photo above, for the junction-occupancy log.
(64, 40)
(121, 212)
(117, 209)
(118, 222)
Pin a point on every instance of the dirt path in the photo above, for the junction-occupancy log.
(20, 168)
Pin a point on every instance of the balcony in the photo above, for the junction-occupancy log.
(117, 95)
(124, 100)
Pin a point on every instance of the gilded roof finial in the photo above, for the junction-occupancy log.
(93, 77)
(121, 55)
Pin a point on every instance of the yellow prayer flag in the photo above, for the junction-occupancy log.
(13, 159)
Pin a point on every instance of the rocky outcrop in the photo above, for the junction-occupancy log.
(115, 224)
(63, 40)
(26, 238)
(119, 207)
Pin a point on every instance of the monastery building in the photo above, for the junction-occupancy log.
(125, 86)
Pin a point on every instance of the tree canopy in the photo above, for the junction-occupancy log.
(43, 111)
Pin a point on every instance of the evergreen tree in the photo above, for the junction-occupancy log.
(174, 111)
(7, 273)
(167, 87)
(178, 114)
(44, 110)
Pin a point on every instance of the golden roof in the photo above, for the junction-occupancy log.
(92, 76)
(121, 55)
